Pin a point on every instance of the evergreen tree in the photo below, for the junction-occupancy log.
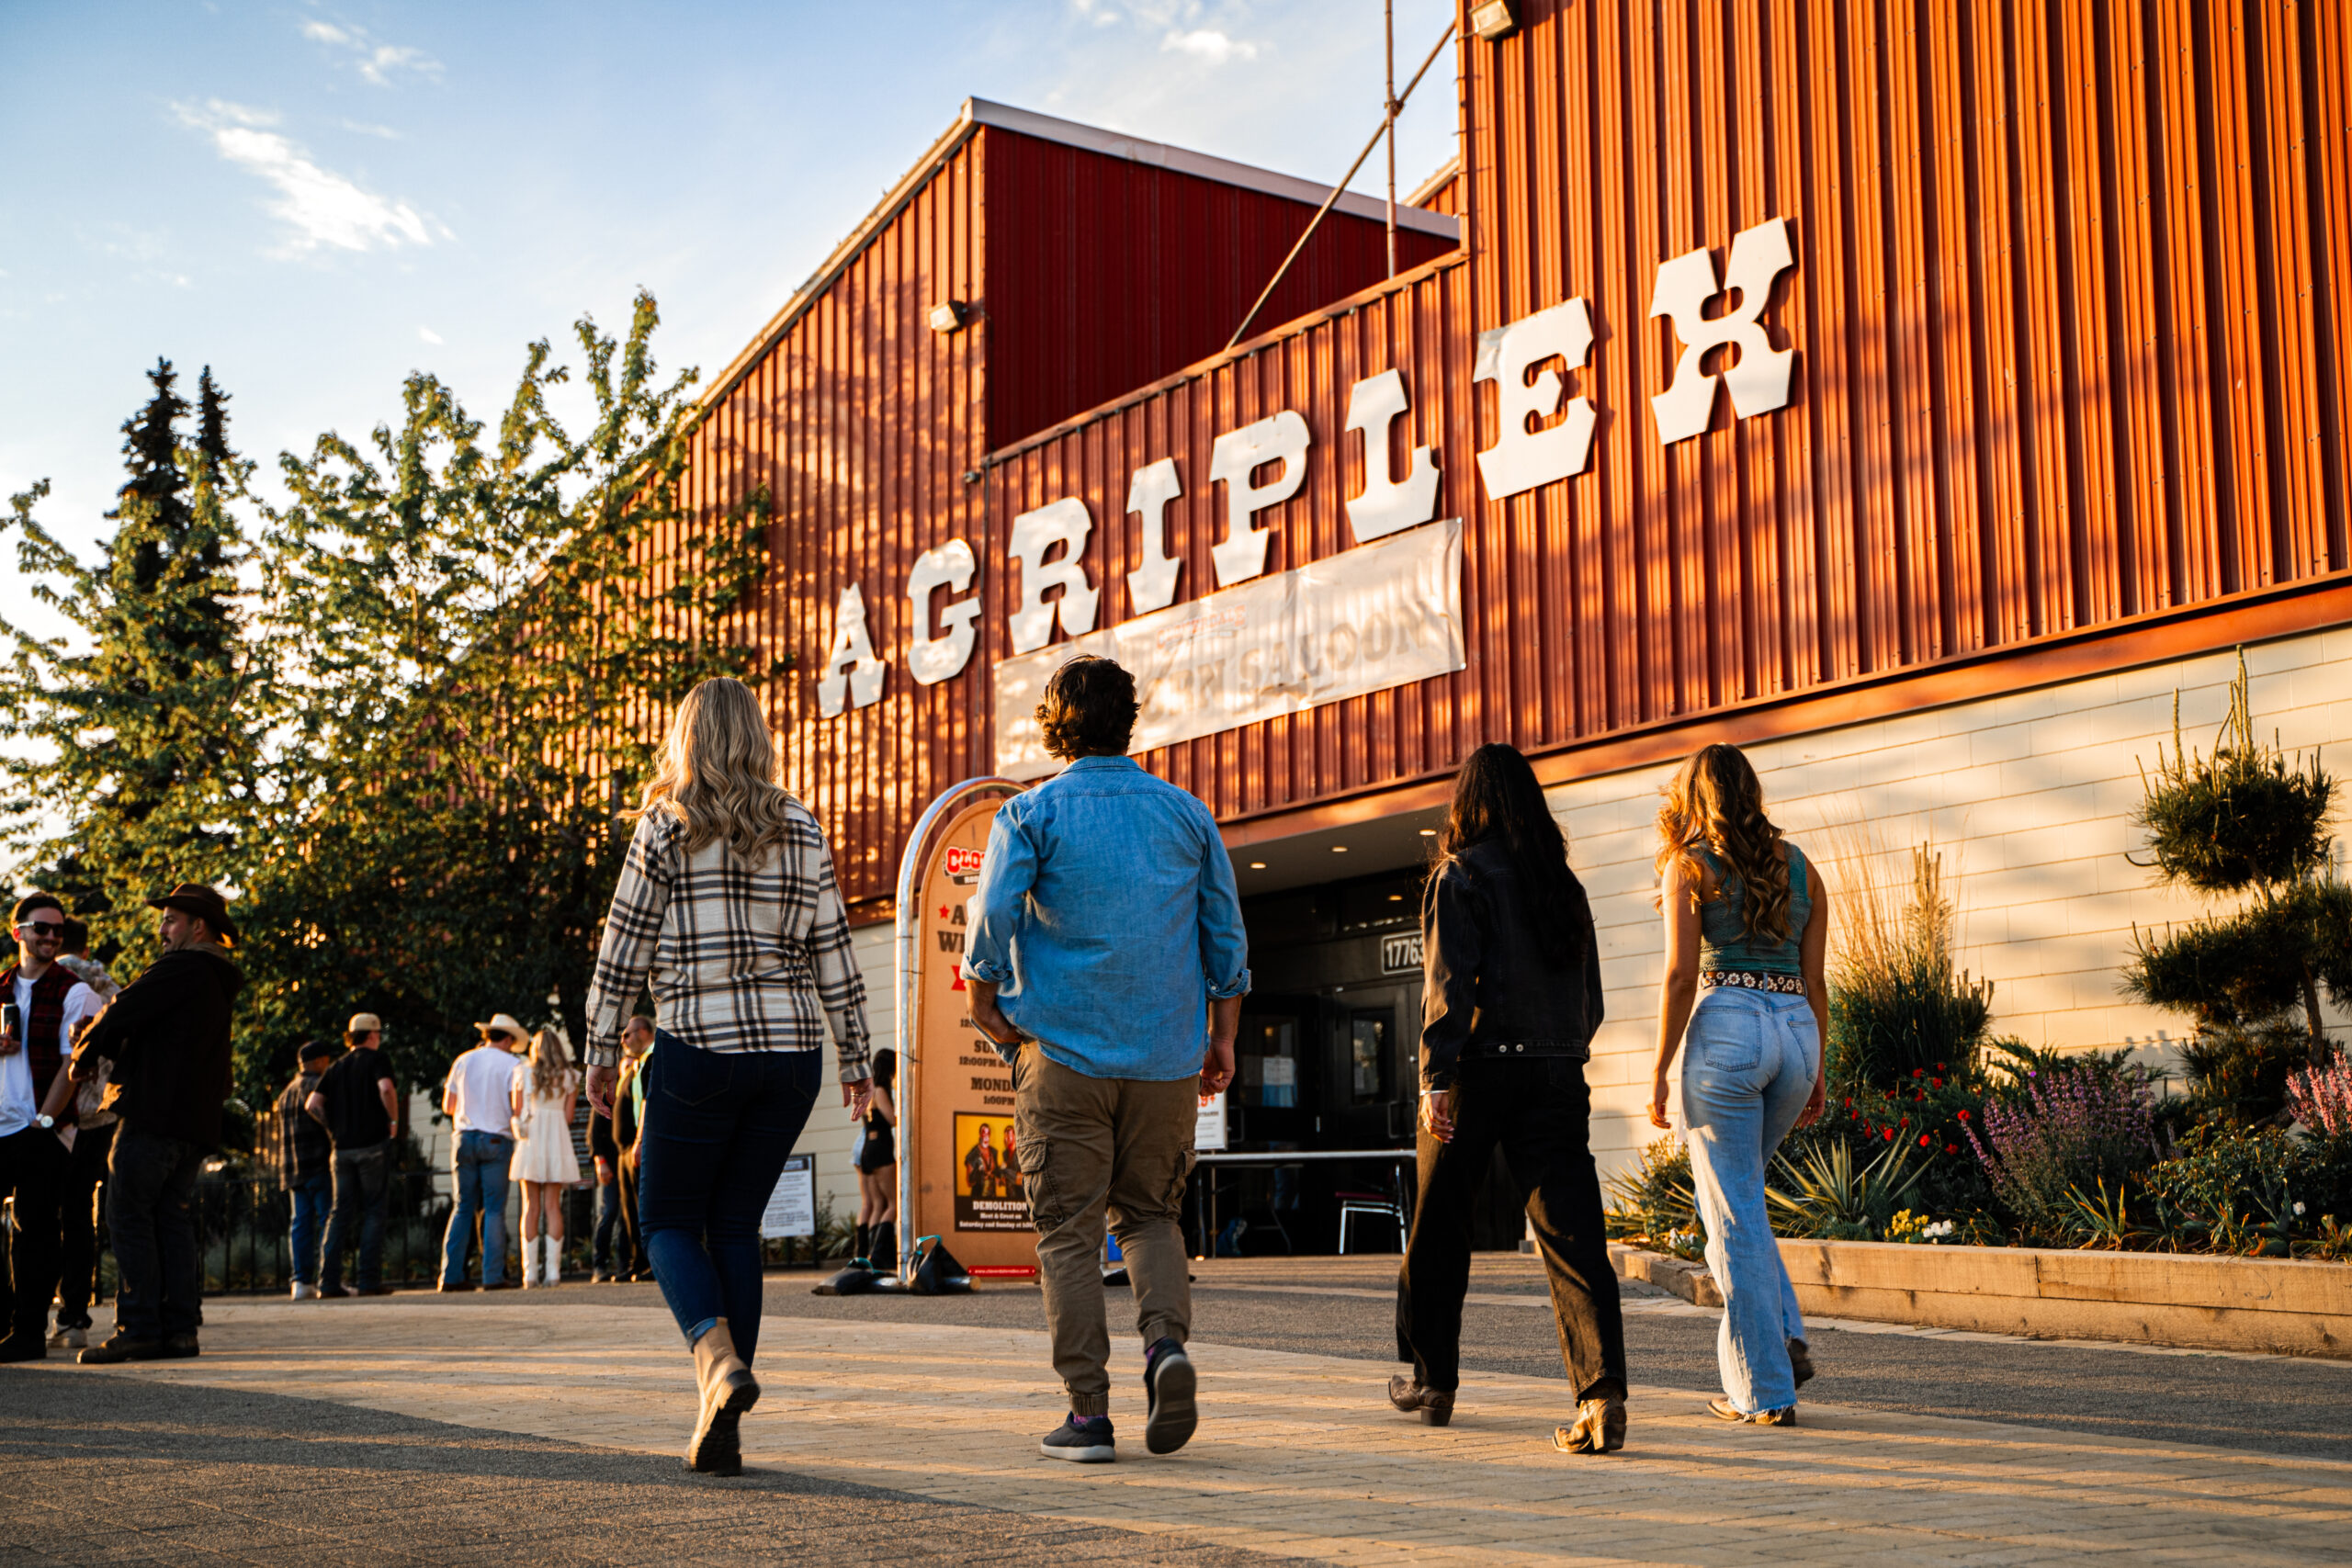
(137, 752)
(2246, 823)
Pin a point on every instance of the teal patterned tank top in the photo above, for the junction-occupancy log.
(1722, 930)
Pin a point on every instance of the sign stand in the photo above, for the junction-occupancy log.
(938, 873)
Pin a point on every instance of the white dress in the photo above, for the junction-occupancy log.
(542, 1136)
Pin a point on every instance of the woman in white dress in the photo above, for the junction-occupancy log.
(545, 1090)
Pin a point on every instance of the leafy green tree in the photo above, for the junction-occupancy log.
(484, 631)
(2246, 823)
(137, 744)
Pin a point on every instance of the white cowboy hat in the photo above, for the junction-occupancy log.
(503, 1023)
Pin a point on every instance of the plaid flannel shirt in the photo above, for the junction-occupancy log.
(740, 957)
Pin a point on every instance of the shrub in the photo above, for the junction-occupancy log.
(2065, 1129)
(2240, 1074)
(1656, 1202)
(1926, 1115)
(1898, 1005)
(2321, 1097)
(2235, 1186)
(1833, 1196)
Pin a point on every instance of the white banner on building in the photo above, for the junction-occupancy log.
(1367, 619)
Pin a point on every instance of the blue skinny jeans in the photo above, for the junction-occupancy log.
(308, 1223)
(1748, 1060)
(717, 1130)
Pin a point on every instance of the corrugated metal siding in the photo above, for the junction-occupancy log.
(2067, 305)
(2072, 306)
(1418, 328)
(1106, 274)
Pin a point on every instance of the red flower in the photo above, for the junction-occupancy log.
(1964, 1116)
(1951, 1148)
(1849, 1102)
(1925, 1140)
(1938, 1083)
(1906, 1121)
(1889, 1135)
(1918, 1072)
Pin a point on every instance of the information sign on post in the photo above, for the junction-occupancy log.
(791, 1207)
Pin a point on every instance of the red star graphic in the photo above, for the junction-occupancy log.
(943, 912)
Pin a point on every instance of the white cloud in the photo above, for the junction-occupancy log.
(1210, 45)
(320, 206)
(376, 62)
(386, 131)
(428, 335)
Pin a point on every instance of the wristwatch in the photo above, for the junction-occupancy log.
(45, 1121)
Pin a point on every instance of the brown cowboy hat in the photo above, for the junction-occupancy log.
(205, 903)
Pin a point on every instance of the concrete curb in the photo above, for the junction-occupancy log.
(1689, 1280)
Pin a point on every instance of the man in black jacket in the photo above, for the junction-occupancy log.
(167, 1035)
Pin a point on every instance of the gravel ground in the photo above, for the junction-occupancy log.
(119, 1470)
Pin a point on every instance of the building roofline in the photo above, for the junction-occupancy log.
(977, 112)
(1435, 183)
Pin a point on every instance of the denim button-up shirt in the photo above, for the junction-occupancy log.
(1106, 918)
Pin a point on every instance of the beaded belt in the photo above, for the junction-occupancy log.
(1753, 980)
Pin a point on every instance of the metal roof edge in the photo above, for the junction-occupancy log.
(1421, 192)
(977, 112)
(1159, 155)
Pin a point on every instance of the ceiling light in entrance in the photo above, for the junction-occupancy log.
(1429, 832)
(1257, 865)
(1339, 849)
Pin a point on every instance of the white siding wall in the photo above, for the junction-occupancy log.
(831, 1132)
(2029, 797)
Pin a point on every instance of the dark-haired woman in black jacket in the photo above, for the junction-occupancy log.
(1511, 995)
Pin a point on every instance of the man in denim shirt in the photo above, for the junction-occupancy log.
(1107, 964)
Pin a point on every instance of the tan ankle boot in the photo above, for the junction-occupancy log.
(727, 1389)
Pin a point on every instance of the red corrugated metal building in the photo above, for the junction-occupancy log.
(1917, 357)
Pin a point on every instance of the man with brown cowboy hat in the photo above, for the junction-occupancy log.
(167, 1037)
(478, 1100)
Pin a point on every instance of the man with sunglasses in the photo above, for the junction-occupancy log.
(45, 1004)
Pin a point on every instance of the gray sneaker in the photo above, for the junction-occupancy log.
(1170, 1413)
(1081, 1441)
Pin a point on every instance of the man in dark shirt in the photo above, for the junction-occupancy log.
(606, 1150)
(167, 1035)
(305, 1166)
(355, 1103)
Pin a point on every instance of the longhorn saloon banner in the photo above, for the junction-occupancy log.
(1367, 619)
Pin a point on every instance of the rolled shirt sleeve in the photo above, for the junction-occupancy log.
(1224, 943)
(632, 933)
(1008, 871)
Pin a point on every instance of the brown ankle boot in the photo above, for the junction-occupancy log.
(727, 1389)
(1600, 1429)
(1435, 1406)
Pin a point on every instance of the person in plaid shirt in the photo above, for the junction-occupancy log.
(727, 905)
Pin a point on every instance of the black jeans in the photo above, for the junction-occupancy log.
(32, 1170)
(1539, 1110)
(78, 1208)
(362, 1177)
(151, 1211)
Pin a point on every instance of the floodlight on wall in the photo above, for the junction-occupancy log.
(1492, 19)
(950, 317)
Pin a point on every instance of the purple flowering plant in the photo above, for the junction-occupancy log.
(2064, 1128)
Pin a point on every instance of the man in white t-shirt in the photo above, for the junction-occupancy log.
(46, 1004)
(475, 1101)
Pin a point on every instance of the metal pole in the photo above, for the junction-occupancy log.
(1388, 27)
(1332, 199)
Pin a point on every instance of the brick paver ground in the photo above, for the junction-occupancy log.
(1298, 1454)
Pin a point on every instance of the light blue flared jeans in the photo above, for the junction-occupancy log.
(1748, 1060)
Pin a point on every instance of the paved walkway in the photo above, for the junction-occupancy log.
(1297, 1455)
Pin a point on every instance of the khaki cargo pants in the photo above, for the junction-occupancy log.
(1087, 1145)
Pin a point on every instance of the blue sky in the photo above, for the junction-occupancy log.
(316, 198)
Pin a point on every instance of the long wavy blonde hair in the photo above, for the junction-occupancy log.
(1716, 800)
(717, 772)
(551, 1063)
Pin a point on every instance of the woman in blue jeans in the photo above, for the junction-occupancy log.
(1746, 926)
(728, 910)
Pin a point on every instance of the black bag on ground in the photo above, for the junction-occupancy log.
(939, 1274)
(856, 1279)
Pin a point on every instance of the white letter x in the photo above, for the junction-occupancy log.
(1760, 378)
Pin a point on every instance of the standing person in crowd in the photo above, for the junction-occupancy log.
(1511, 998)
(1748, 922)
(359, 1105)
(728, 901)
(543, 1091)
(167, 1037)
(45, 1002)
(1107, 964)
(877, 1170)
(86, 1169)
(305, 1166)
(629, 1118)
(605, 1152)
(479, 1103)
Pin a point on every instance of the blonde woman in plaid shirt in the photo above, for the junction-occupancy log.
(727, 906)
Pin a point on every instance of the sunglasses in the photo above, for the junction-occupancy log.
(42, 928)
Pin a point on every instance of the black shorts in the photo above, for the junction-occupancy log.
(881, 1151)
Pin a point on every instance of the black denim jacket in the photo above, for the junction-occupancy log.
(1490, 988)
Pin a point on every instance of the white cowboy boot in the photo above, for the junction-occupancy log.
(531, 1261)
(553, 1272)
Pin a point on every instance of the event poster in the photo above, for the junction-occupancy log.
(987, 1175)
(964, 1187)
